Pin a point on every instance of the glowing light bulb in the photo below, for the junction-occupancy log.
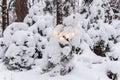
(61, 38)
(67, 36)
(62, 34)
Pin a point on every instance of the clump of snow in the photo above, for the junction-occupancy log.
(11, 29)
(34, 12)
(42, 23)
(3, 47)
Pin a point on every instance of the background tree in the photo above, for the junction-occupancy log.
(4, 15)
(21, 10)
(6, 9)
(59, 12)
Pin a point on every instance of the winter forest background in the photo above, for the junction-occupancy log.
(59, 39)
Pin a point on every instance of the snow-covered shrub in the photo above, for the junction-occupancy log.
(61, 46)
(21, 50)
(58, 55)
(42, 31)
(68, 39)
(8, 33)
(98, 17)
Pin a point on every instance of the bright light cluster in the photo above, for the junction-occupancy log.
(65, 33)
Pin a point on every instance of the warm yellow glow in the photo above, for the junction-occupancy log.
(62, 36)
(73, 34)
(55, 33)
(67, 36)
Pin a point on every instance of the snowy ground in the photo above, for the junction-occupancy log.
(81, 71)
(82, 74)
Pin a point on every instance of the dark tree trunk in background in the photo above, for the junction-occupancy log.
(59, 12)
(7, 17)
(21, 9)
(4, 14)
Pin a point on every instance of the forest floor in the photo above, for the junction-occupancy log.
(81, 71)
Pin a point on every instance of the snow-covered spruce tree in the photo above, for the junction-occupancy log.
(61, 46)
(26, 45)
(98, 15)
(46, 44)
(59, 61)
(42, 30)
(20, 53)
(19, 47)
(41, 24)
(58, 55)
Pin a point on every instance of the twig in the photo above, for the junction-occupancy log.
(1, 6)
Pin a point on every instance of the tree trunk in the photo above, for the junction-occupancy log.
(59, 12)
(7, 17)
(21, 9)
(4, 14)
